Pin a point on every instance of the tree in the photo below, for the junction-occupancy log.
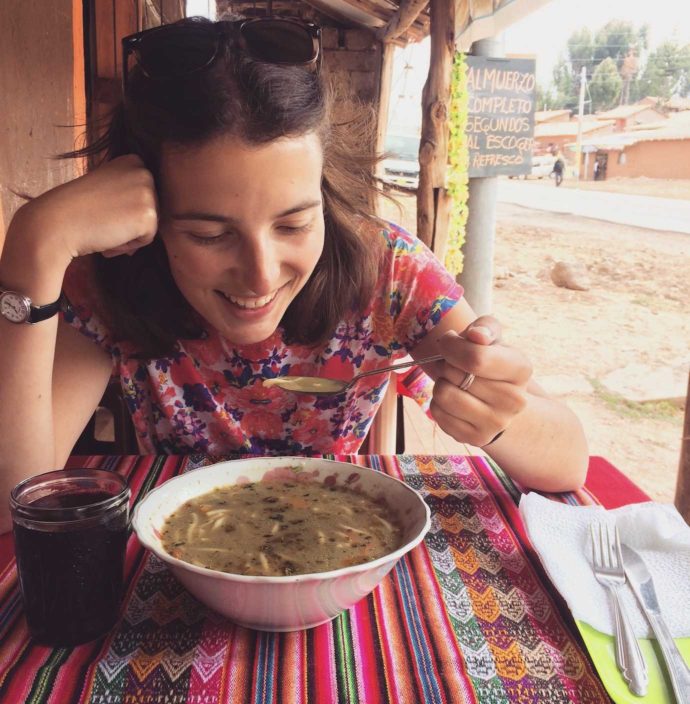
(667, 72)
(566, 73)
(581, 51)
(545, 100)
(616, 40)
(564, 86)
(605, 86)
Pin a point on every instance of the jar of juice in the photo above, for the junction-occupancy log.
(70, 533)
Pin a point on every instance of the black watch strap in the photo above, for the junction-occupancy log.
(39, 313)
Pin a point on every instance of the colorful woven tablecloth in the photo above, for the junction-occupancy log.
(468, 616)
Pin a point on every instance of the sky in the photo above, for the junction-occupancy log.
(546, 31)
(544, 34)
(204, 8)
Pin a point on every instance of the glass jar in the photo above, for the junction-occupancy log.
(70, 534)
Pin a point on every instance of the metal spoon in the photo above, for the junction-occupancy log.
(324, 386)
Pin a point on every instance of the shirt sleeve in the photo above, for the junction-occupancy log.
(417, 290)
(83, 304)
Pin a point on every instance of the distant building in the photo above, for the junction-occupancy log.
(677, 104)
(550, 136)
(541, 116)
(627, 116)
(658, 149)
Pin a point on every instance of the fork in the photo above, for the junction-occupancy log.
(607, 564)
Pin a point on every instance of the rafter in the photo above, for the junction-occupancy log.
(402, 20)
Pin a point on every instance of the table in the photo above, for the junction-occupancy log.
(468, 616)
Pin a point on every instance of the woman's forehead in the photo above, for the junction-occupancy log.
(227, 170)
(229, 145)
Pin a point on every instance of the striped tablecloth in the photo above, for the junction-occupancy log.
(468, 616)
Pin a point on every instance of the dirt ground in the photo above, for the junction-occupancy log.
(635, 312)
(678, 188)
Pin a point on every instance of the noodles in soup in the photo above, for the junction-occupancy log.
(278, 528)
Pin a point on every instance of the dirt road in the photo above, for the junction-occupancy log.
(635, 313)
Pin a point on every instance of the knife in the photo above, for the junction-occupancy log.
(640, 580)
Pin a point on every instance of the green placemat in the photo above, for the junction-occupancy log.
(601, 649)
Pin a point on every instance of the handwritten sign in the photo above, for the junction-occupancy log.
(500, 121)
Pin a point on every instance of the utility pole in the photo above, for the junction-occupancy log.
(478, 251)
(581, 112)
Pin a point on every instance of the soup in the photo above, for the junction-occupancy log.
(279, 528)
(306, 384)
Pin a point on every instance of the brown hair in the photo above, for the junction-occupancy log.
(257, 103)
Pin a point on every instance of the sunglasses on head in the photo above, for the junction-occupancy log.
(180, 49)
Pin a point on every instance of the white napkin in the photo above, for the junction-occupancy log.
(561, 536)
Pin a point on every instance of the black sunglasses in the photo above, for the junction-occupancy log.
(179, 49)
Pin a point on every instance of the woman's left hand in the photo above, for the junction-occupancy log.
(476, 410)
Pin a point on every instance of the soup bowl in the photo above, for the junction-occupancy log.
(292, 602)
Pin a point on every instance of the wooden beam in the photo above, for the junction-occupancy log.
(78, 79)
(683, 483)
(126, 21)
(157, 12)
(382, 436)
(402, 20)
(433, 147)
(387, 52)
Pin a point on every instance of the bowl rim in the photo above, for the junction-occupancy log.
(284, 579)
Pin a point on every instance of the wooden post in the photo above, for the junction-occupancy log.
(387, 51)
(384, 427)
(683, 483)
(432, 222)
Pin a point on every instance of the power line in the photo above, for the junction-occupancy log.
(598, 61)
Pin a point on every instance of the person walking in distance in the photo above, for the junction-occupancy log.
(558, 167)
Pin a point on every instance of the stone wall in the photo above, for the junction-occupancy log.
(352, 59)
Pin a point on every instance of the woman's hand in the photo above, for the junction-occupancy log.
(112, 210)
(498, 393)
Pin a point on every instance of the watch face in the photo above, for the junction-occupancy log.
(15, 307)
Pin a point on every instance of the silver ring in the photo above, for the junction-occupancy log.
(467, 381)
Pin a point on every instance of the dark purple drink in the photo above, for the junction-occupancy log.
(70, 532)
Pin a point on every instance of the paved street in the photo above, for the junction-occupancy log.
(668, 214)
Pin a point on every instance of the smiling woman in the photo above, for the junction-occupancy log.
(241, 238)
(224, 238)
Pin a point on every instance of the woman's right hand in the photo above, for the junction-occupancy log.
(112, 210)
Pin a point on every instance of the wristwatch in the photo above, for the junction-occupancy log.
(18, 308)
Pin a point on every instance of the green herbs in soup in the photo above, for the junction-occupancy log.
(278, 528)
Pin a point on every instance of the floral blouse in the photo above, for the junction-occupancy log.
(207, 396)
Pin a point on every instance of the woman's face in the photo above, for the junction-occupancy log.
(243, 228)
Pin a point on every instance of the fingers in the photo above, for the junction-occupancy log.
(488, 360)
(488, 404)
(146, 201)
(485, 330)
(470, 420)
(139, 205)
(129, 248)
(458, 428)
(483, 397)
(479, 413)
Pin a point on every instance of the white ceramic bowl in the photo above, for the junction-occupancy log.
(280, 603)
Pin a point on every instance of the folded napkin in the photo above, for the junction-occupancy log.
(561, 536)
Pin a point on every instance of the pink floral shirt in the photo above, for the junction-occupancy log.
(207, 396)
